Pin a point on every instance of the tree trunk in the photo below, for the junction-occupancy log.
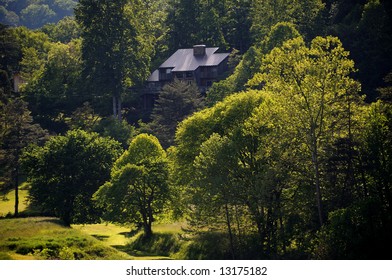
(147, 230)
(114, 107)
(119, 113)
(16, 183)
(259, 220)
(147, 220)
(239, 233)
(230, 231)
(16, 198)
(317, 183)
(117, 105)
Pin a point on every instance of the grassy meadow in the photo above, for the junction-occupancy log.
(47, 238)
(37, 238)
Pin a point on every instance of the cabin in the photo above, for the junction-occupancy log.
(199, 65)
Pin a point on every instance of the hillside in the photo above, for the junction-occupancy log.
(34, 14)
(265, 125)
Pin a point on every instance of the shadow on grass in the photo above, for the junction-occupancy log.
(100, 237)
(158, 246)
(129, 234)
(140, 254)
(53, 220)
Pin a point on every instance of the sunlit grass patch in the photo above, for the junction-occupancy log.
(47, 238)
(7, 202)
(109, 234)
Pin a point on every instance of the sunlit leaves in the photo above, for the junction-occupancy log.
(138, 188)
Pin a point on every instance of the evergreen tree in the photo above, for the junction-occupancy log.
(175, 102)
(17, 131)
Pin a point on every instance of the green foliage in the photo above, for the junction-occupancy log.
(248, 168)
(365, 29)
(10, 51)
(200, 247)
(64, 31)
(34, 46)
(52, 89)
(226, 167)
(279, 33)
(313, 86)
(138, 188)
(121, 131)
(83, 118)
(251, 62)
(175, 102)
(353, 233)
(86, 119)
(17, 131)
(36, 15)
(222, 118)
(303, 13)
(116, 49)
(216, 23)
(67, 170)
(8, 17)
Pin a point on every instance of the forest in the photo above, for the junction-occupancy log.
(287, 156)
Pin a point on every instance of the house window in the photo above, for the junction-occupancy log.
(168, 71)
(189, 74)
(179, 75)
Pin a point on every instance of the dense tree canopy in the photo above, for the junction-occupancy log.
(316, 93)
(67, 171)
(290, 159)
(138, 187)
(34, 14)
(175, 102)
(116, 49)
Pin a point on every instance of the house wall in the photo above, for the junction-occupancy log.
(203, 76)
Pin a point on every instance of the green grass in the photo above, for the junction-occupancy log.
(7, 202)
(109, 234)
(164, 244)
(48, 238)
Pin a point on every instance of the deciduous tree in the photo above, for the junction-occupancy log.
(117, 47)
(315, 91)
(67, 171)
(138, 187)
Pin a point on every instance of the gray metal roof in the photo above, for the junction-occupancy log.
(184, 60)
(154, 77)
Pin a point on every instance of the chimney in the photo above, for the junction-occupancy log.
(199, 50)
